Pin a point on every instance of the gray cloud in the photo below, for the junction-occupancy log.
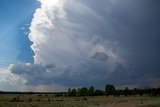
(100, 56)
(36, 74)
(83, 75)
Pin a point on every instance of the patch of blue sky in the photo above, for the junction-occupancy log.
(14, 42)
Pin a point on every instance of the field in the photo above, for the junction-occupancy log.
(48, 100)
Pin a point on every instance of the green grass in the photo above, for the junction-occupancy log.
(35, 100)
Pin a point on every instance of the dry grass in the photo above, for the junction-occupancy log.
(35, 100)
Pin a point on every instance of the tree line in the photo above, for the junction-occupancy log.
(91, 91)
(111, 90)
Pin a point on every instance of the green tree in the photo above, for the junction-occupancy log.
(98, 93)
(73, 93)
(91, 91)
(126, 91)
(83, 91)
(109, 90)
(69, 92)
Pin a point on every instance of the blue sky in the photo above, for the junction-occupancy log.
(15, 19)
(76, 43)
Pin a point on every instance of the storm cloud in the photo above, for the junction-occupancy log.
(77, 42)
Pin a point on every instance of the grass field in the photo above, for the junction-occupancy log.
(48, 100)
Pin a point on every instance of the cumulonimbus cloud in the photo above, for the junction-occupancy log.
(68, 34)
(77, 42)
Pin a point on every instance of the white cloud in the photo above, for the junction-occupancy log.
(9, 81)
(62, 33)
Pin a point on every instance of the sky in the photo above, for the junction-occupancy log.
(15, 19)
(51, 45)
